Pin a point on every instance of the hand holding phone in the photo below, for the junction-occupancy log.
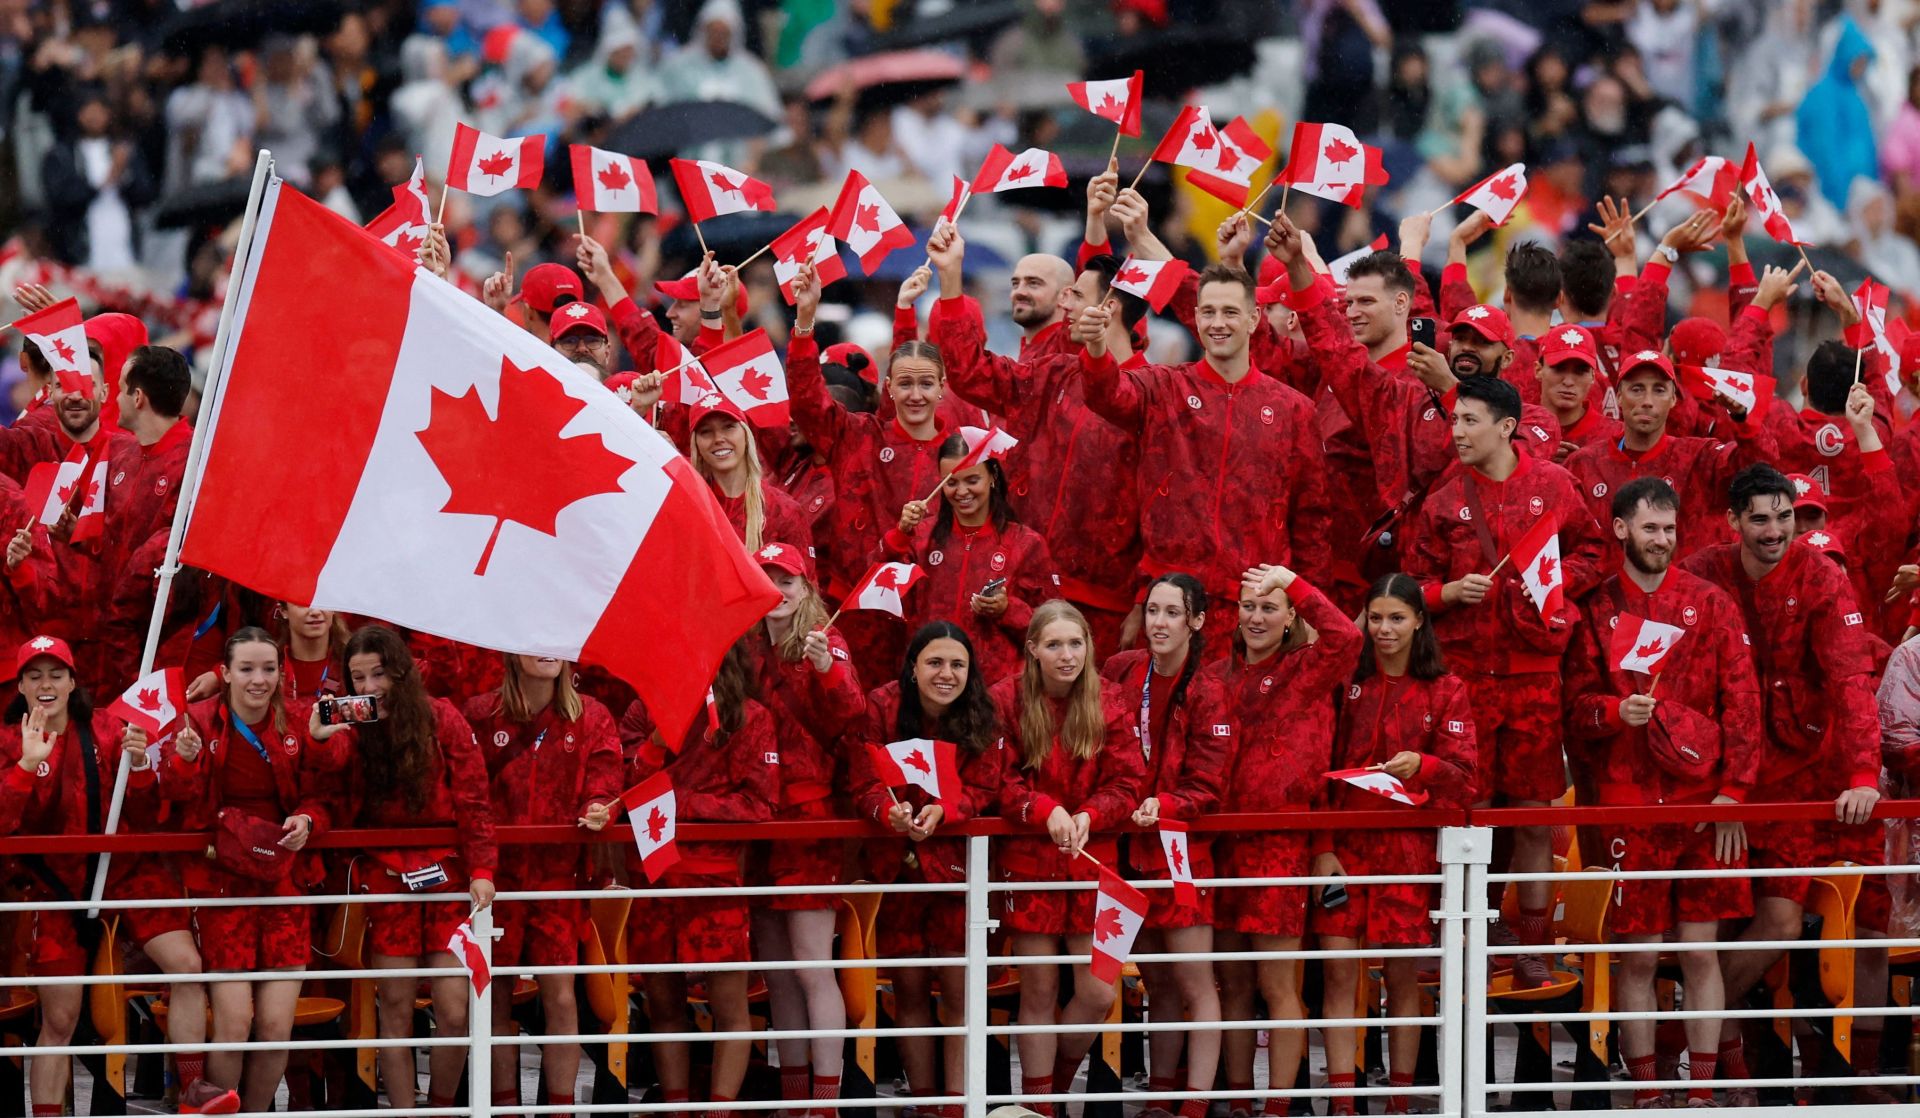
(341, 710)
(1425, 331)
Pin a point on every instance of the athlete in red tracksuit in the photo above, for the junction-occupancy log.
(1822, 727)
(1205, 427)
(1293, 649)
(417, 765)
(940, 696)
(1696, 741)
(1069, 786)
(1061, 475)
(240, 755)
(1186, 734)
(1406, 715)
(726, 452)
(59, 781)
(553, 758)
(724, 773)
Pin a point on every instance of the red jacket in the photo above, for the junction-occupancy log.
(1107, 786)
(38, 437)
(1186, 766)
(1230, 474)
(815, 712)
(1697, 467)
(1815, 667)
(1383, 716)
(730, 778)
(1505, 634)
(781, 518)
(1282, 711)
(545, 772)
(959, 566)
(940, 858)
(1062, 473)
(456, 787)
(1707, 695)
(56, 804)
(877, 466)
(1457, 294)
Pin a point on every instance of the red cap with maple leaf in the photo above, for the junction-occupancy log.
(1648, 359)
(42, 646)
(575, 318)
(687, 290)
(544, 284)
(1487, 321)
(1807, 493)
(787, 557)
(1569, 343)
(716, 402)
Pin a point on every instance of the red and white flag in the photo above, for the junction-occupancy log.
(478, 487)
(1537, 558)
(748, 372)
(652, 811)
(929, 765)
(1191, 140)
(1239, 153)
(1766, 204)
(1115, 99)
(863, 220)
(60, 334)
(1748, 391)
(1118, 912)
(1174, 844)
(608, 182)
(882, 587)
(984, 443)
(807, 242)
(487, 165)
(466, 947)
(154, 702)
(406, 223)
(1003, 170)
(1329, 161)
(1380, 784)
(1497, 194)
(55, 487)
(1156, 281)
(1338, 268)
(957, 201)
(712, 189)
(1639, 644)
(1709, 183)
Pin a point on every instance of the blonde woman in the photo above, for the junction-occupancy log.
(1078, 769)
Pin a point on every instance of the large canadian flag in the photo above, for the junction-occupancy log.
(154, 702)
(55, 487)
(654, 813)
(747, 371)
(713, 189)
(60, 334)
(1118, 912)
(473, 483)
(1639, 643)
(868, 225)
(486, 165)
(1537, 557)
(404, 225)
(608, 182)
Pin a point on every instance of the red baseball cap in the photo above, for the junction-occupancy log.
(787, 557)
(1489, 322)
(1697, 341)
(714, 403)
(1828, 543)
(42, 646)
(575, 317)
(1647, 358)
(1569, 343)
(621, 385)
(544, 284)
(1807, 493)
(687, 290)
(853, 357)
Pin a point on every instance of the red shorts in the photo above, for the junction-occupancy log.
(692, 929)
(922, 926)
(542, 933)
(255, 937)
(1264, 910)
(1167, 914)
(806, 863)
(1388, 914)
(57, 951)
(1651, 906)
(405, 929)
(1820, 843)
(1056, 912)
(1516, 721)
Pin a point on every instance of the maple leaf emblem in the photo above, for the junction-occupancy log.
(1202, 138)
(405, 241)
(41, 644)
(1571, 337)
(1801, 487)
(1502, 188)
(1819, 539)
(1228, 159)
(1339, 151)
(1547, 571)
(1106, 924)
(1022, 171)
(771, 551)
(754, 382)
(614, 177)
(1131, 274)
(1176, 856)
(887, 578)
(656, 824)
(516, 466)
(65, 351)
(1477, 313)
(1110, 108)
(148, 698)
(724, 184)
(576, 310)
(1651, 649)
(867, 218)
(495, 165)
(918, 760)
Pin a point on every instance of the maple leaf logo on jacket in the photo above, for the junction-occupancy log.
(495, 165)
(1339, 151)
(531, 488)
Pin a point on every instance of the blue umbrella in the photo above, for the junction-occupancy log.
(900, 263)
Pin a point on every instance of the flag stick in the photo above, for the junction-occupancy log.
(1083, 854)
(1258, 198)
(582, 215)
(440, 216)
(1635, 219)
(700, 237)
(928, 499)
(1115, 153)
(190, 484)
(1857, 355)
(1141, 175)
(757, 254)
(1654, 684)
(1500, 564)
(953, 221)
(829, 625)
(1802, 249)
(1266, 221)
(1284, 191)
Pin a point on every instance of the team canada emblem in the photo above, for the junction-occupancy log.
(568, 742)
(1689, 615)
(998, 562)
(1266, 684)
(1477, 313)
(41, 644)
(1266, 416)
(289, 745)
(576, 311)
(1536, 506)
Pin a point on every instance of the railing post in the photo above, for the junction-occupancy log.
(1464, 855)
(979, 924)
(480, 1024)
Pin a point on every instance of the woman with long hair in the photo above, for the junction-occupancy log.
(60, 764)
(1076, 768)
(726, 770)
(1407, 717)
(1187, 738)
(727, 454)
(310, 660)
(414, 765)
(985, 570)
(553, 758)
(240, 755)
(809, 685)
(939, 696)
(1291, 653)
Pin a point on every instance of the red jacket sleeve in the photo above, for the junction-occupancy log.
(1448, 773)
(638, 332)
(1208, 755)
(467, 780)
(1456, 292)
(1116, 395)
(1123, 772)
(999, 384)
(819, 417)
(1838, 637)
(604, 766)
(1742, 726)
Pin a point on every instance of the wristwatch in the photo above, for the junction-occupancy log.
(1668, 252)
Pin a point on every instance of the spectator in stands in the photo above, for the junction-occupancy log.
(98, 182)
(1835, 126)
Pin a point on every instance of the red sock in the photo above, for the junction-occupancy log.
(795, 1083)
(49, 1109)
(1866, 1052)
(715, 1096)
(673, 1095)
(1249, 1103)
(1063, 1074)
(826, 1088)
(1700, 1068)
(1193, 1108)
(1161, 1083)
(443, 1101)
(191, 1068)
(1340, 1081)
(1732, 1059)
(1530, 926)
(559, 1100)
(1400, 1081)
(1038, 1085)
(508, 1097)
(1641, 1069)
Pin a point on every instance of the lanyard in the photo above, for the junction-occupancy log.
(246, 732)
(1146, 713)
(211, 620)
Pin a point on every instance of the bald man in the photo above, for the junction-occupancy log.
(1038, 280)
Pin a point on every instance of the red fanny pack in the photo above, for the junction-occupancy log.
(249, 846)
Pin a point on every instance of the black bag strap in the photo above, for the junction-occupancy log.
(1480, 529)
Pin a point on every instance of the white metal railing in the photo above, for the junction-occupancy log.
(1464, 1013)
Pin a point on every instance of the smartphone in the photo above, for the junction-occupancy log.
(342, 710)
(1335, 895)
(1425, 331)
(988, 590)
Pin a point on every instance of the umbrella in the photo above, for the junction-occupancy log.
(207, 203)
(671, 129)
(975, 19)
(243, 23)
(732, 237)
(908, 67)
(1179, 58)
(900, 263)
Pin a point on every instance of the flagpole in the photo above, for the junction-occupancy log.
(1500, 564)
(1857, 355)
(190, 482)
(581, 213)
(1141, 175)
(699, 237)
(1258, 198)
(440, 217)
(757, 254)
(1652, 685)
(1115, 153)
